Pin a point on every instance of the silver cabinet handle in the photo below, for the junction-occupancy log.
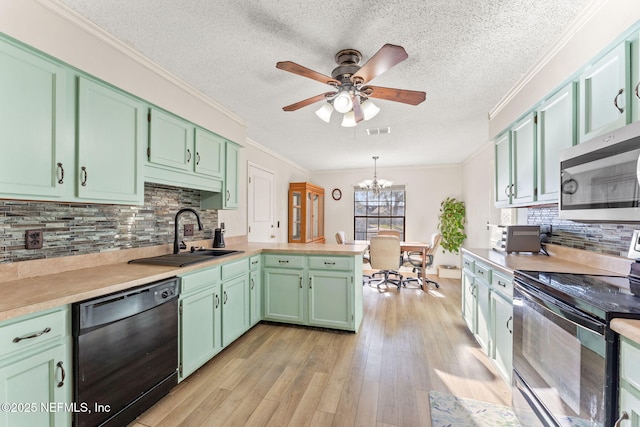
(61, 174)
(310, 282)
(197, 158)
(217, 301)
(506, 190)
(300, 282)
(253, 283)
(509, 320)
(500, 283)
(83, 176)
(623, 416)
(36, 335)
(615, 101)
(59, 365)
(188, 156)
(228, 195)
(329, 263)
(226, 297)
(636, 90)
(283, 261)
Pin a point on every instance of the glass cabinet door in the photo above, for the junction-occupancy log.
(296, 213)
(309, 218)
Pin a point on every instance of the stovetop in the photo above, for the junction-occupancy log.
(604, 297)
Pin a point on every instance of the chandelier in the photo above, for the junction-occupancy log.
(375, 185)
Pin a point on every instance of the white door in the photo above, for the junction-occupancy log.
(261, 204)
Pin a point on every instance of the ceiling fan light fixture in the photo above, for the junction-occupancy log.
(342, 102)
(349, 120)
(325, 112)
(369, 109)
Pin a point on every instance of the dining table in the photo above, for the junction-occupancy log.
(421, 247)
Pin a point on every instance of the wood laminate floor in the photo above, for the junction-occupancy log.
(410, 342)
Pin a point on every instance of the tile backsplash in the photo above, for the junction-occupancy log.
(74, 229)
(605, 238)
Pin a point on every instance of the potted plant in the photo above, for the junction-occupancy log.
(451, 224)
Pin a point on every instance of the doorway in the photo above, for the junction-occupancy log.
(261, 204)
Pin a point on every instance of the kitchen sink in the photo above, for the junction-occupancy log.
(186, 258)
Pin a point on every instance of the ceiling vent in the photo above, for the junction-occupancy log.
(379, 131)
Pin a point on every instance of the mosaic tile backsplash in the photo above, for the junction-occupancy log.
(74, 229)
(605, 238)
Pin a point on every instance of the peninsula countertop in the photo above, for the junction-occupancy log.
(32, 286)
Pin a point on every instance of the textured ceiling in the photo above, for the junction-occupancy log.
(465, 55)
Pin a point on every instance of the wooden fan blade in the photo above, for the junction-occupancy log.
(388, 56)
(398, 95)
(298, 69)
(308, 101)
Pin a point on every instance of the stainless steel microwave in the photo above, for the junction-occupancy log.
(599, 178)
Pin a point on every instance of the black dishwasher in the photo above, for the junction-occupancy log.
(125, 353)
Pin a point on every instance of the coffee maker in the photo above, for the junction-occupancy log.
(218, 238)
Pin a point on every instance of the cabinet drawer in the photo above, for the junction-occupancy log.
(235, 268)
(199, 279)
(482, 271)
(255, 262)
(30, 331)
(331, 263)
(629, 362)
(502, 283)
(467, 263)
(284, 261)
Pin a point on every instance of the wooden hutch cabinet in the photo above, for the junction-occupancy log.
(306, 213)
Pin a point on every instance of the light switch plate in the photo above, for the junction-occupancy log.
(634, 247)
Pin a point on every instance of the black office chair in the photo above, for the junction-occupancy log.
(414, 259)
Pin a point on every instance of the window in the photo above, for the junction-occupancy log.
(382, 212)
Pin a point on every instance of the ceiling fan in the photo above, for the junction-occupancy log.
(349, 79)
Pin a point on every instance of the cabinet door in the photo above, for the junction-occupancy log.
(42, 378)
(503, 188)
(200, 329)
(469, 301)
(483, 313)
(330, 299)
(170, 141)
(231, 176)
(635, 79)
(209, 154)
(36, 137)
(283, 295)
(523, 154)
(556, 131)
(111, 140)
(501, 328)
(255, 282)
(235, 308)
(604, 94)
(630, 403)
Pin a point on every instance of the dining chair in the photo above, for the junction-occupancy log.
(384, 253)
(340, 238)
(390, 233)
(414, 260)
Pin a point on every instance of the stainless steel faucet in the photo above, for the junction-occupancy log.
(176, 245)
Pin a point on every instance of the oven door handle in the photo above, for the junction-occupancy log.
(561, 309)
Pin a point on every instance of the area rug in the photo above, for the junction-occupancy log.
(451, 411)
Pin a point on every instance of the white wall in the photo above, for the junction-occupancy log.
(426, 187)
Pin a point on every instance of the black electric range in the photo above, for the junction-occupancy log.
(603, 297)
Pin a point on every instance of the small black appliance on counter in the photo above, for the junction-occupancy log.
(218, 238)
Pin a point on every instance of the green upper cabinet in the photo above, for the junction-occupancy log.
(209, 150)
(556, 131)
(604, 94)
(170, 141)
(111, 140)
(228, 198)
(523, 157)
(635, 78)
(35, 133)
(503, 188)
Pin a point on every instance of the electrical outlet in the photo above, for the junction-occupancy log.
(188, 229)
(634, 247)
(222, 225)
(34, 239)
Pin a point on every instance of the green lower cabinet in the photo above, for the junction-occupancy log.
(502, 333)
(629, 392)
(483, 315)
(36, 389)
(200, 329)
(255, 297)
(469, 301)
(330, 299)
(235, 308)
(283, 295)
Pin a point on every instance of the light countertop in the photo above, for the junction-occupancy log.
(31, 286)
